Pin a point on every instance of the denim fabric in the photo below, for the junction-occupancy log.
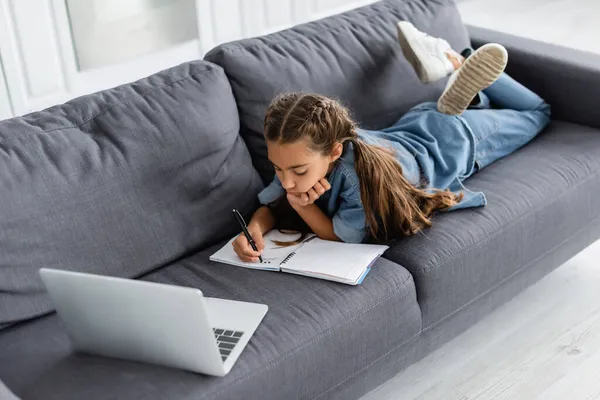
(441, 146)
(519, 117)
(435, 151)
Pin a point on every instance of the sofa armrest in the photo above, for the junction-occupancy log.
(568, 79)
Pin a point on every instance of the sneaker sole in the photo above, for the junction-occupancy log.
(411, 51)
(478, 72)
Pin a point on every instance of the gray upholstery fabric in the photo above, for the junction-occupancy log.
(354, 57)
(315, 335)
(119, 182)
(566, 78)
(538, 198)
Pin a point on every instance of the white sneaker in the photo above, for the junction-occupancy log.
(427, 55)
(478, 72)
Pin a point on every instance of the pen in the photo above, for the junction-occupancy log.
(242, 223)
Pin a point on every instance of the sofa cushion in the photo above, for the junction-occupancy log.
(538, 198)
(354, 57)
(6, 394)
(119, 182)
(315, 335)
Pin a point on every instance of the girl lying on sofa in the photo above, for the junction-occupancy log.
(350, 184)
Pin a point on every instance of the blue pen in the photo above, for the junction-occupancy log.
(242, 223)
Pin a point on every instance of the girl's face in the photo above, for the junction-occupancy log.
(298, 167)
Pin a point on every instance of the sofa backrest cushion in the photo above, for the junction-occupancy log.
(354, 57)
(120, 182)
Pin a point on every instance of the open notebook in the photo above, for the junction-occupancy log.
(340, 262)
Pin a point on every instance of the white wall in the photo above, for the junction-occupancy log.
(39, 61)
(5, 109)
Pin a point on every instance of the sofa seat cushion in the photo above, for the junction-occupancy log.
(119, 182)
(315, 335)
(538, 198)
(354, 56)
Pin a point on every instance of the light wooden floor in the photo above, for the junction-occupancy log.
(544, 344)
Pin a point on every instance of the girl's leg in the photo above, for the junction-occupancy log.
(427, 55)
(476, 73)
(506, 92)
(510, 94)
(498, 133)
(472, 71)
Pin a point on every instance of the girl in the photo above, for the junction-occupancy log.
(349, 184)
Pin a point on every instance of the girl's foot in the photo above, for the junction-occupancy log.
(478, 72)
(432, 58)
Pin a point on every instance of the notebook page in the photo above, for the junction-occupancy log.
(272, 256)
(333, 259)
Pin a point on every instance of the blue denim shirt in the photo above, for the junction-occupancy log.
(431, 147)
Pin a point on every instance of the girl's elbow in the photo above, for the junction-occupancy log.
(332, 237)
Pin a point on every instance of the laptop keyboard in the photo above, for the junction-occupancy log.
(226, 341)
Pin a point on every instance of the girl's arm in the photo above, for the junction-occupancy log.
(350, 220)
(262, 221)
(318, 221)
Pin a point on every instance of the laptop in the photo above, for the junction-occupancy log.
(152, 322)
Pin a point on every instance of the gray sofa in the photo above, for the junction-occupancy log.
(139, 181)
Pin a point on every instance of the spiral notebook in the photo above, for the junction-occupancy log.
(347, 263)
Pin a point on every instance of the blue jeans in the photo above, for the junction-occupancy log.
(517, 117)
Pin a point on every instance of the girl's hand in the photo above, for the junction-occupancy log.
(242, 247)
(304, 199)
